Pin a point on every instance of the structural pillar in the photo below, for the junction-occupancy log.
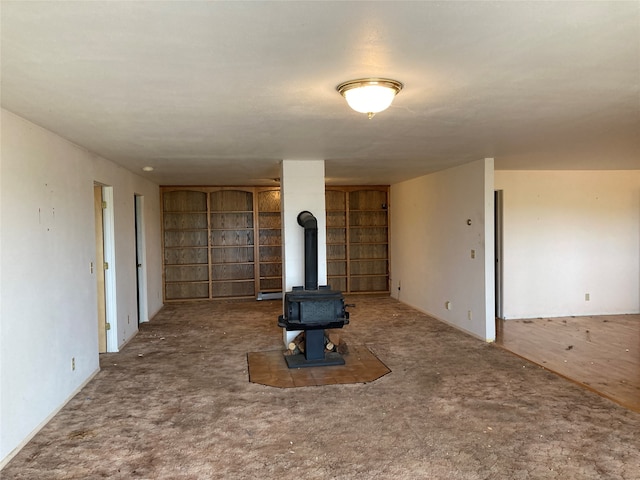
(301, 188)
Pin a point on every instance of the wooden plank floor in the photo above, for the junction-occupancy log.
(602, 353)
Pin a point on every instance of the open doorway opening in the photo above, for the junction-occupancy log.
(498, 252)
(141, 275)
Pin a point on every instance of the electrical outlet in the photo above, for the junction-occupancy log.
(469, 315)
(587, 297)
(73, 364)
(447, 305)
(473, 254)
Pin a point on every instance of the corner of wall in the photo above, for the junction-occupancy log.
(442, 246)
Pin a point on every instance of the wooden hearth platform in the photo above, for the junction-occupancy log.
(270, 368)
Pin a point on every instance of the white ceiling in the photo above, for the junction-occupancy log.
(219, 92)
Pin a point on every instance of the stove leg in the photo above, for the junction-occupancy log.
(314, 344)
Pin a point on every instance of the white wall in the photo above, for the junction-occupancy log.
(431, 246)
(567, 234)
(48, 309)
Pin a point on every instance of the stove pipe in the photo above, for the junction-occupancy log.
(310, 224)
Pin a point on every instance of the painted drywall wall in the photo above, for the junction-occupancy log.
(48, 309)
(569, 234)
(302, 188)
(442, 246)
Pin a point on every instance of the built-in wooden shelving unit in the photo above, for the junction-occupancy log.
(368, 241)
(232, 243)
(337, 263)
(185, 243)
(270, 241)
(226, 242)
(358, 238)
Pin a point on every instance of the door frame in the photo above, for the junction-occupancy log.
(498, 246)
(98, 268)
(108, 226)
(141, 260)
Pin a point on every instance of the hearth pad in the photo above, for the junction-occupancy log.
(270, 368)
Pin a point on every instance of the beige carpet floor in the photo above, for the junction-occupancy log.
(177, 403)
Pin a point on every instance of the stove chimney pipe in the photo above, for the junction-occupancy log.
(310, 224)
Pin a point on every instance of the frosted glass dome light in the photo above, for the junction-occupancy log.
(369, 95)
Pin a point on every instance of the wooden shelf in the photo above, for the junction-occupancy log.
(356, 227)
(362, 275)
(228, 229)
(368, 243)
(356, 210)
(185, 211)
(363, 259)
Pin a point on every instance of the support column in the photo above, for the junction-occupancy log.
(301, 188)
(489, 252)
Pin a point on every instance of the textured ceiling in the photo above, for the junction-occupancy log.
(219, 92)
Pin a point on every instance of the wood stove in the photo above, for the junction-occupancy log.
(312, 308)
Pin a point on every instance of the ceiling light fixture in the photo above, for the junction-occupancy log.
(147, 169)
(369, 95)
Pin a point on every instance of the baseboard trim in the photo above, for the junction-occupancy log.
(124, 344)
(457, 327)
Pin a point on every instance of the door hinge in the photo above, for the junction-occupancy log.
(104, 204)
(106, 265)
(107, 326)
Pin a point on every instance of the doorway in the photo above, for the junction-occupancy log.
(498, 197)
(141, 270)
